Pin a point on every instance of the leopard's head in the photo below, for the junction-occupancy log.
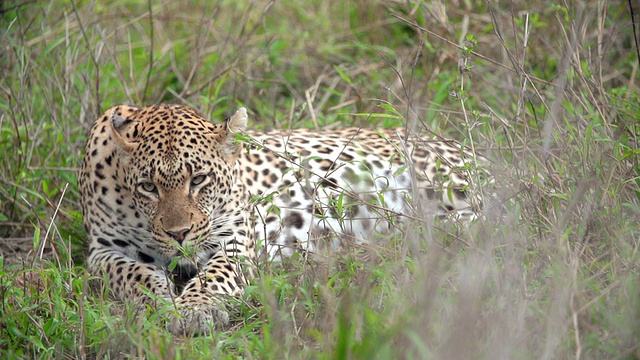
(178, 168)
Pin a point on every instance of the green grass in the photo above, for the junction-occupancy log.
(550, 271)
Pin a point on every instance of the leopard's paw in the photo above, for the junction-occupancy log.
(197, 319)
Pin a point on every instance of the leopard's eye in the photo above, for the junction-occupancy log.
(148, 186)
(198, 179)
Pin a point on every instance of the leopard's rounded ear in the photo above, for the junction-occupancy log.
(123, 128)
(236, 124)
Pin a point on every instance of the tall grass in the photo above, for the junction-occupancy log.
(548, 92)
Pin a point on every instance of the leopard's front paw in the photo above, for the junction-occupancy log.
(197, 319)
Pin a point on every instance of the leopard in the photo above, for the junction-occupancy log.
(178, 209)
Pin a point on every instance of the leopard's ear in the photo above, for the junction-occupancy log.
(238, 122)
(124, 129)
(229, 145)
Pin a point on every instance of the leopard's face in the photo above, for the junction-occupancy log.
(179, 176)
(180, 197)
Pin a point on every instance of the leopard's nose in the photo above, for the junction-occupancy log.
(178, 234)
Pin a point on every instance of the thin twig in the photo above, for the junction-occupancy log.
(91, 54)
(633, 25)
(151, 36)
(42, 244)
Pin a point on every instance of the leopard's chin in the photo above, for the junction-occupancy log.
(196, 260)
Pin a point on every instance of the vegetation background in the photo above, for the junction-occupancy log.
(547, 90)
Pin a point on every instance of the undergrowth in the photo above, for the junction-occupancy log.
(547, 91)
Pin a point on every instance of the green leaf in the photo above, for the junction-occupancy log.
(343, 74)
(174, 263)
